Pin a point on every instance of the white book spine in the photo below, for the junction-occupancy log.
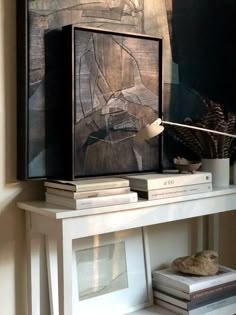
(174, 191)
(172, 300)
(192, 284)
(170, 290)
(170, 307)
(87, 203)
(200, 286)
(87, 194)
(223, 290)
(88, 184)
(172, 180)
(218, 307)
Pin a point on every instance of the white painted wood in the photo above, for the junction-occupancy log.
(62, 225)
(33, 268)
(35, 275)
(64, 256)
(44, 224)
(154, 309)
(82, 226)
(148, 264)
(134, 295)
(28, 256)
(56, 212)
(51, 252)
(157, 310)
(213, 232)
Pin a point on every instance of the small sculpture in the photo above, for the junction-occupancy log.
(183, 165)
(204, 263)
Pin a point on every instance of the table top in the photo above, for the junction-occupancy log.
(59, 212)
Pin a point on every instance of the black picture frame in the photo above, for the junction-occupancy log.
(31, 141)
(37, 22)
(22, 89)
(85, 145)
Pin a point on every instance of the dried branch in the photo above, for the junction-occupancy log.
(209, 145)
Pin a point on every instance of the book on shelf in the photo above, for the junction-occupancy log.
(190, 283)
(189, 305)
(209, 292)
(88, 184)
(223, 307)
(167, 179)
(89, 193)
(92, 202)
(171, 192)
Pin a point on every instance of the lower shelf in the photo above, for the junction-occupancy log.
(157, 310)
(154, 309)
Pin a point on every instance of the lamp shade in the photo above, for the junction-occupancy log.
(154, 129)
(149, 131)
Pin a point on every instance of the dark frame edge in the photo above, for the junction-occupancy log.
(161, 103)
(22, 89)
(68, 36)
(61, 144)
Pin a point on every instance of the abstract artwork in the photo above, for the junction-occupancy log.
(36, 20)
(118, 273)
(117, 89)
(191, 57)
(105, 267)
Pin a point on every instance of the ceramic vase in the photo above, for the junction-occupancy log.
(220, 169)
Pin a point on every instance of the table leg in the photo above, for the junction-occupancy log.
(33, 268)
(64, 254)
(52, 267)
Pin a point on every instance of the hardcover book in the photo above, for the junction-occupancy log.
(189, 305)
(93, 202)
(223, 307)
(189, 283)
(87, 194)
(171, 192)
(221, 289)
(88, 184)
(165, 180)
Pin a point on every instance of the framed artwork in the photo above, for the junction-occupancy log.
(117, 276)
(44, 150)
(113, 88)
(39, 24)
(117, 268)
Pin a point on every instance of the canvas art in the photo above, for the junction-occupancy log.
(117, 90)
(36, 20)
(106, 269)
(191, 57)
(118, 274)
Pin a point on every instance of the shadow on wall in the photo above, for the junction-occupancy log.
(9, 90)
(204, 47)
(12, 246)
(12, 220)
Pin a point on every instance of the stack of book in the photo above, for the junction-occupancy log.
(89, 193)
(171, 184)
(196, 295)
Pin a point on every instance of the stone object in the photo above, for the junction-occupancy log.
(183, 165)
(204, 263)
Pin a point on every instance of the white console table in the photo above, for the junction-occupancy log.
(61, 226)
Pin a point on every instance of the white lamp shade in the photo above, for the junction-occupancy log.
(155, 128)
(149, 131)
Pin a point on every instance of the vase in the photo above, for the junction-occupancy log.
(220, 170)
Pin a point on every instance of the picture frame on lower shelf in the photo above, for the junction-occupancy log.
(118, 276)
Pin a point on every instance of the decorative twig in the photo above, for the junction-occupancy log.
(209, 145)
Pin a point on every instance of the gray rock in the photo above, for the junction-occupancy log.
(203, 263)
